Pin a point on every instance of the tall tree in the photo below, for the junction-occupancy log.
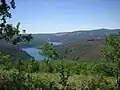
(10, 33)
(7, 31)
(111, 52)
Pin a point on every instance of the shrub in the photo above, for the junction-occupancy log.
(99, 83)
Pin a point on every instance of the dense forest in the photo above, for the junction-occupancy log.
(55, 72)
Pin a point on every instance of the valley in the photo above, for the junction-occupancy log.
(85, 45)
(59, 45)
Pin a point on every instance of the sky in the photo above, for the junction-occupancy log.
(51, 16)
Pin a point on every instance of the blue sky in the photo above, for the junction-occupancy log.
(49, 16)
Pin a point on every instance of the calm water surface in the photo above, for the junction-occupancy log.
(34, 52)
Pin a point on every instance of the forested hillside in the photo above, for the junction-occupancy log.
(84, 44)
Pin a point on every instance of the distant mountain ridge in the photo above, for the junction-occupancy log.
(67, 37)
(76, 35)
(100, 32)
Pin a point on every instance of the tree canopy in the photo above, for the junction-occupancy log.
(48, 51)
(8, 31)
(111, 48)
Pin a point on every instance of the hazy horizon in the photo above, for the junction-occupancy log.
(72, 31)
(52, 16)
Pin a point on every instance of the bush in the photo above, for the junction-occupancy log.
(104, 69)
(99, 83)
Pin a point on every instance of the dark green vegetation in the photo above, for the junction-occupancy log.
(8, 31)
(15, 52)
(11, 33)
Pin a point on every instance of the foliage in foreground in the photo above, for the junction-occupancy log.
(63, 74)
(111, 53)
(7, 31)
(57, 74)
(12, 79)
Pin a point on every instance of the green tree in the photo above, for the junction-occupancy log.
(48, 51)
(10, 33)
(111, 52)
(111, 48)
(7, 31)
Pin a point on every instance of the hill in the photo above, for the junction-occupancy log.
(67, 37)
(14, 52)
(82, 49)
(84, 44)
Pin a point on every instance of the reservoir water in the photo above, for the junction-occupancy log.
(34, 52)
